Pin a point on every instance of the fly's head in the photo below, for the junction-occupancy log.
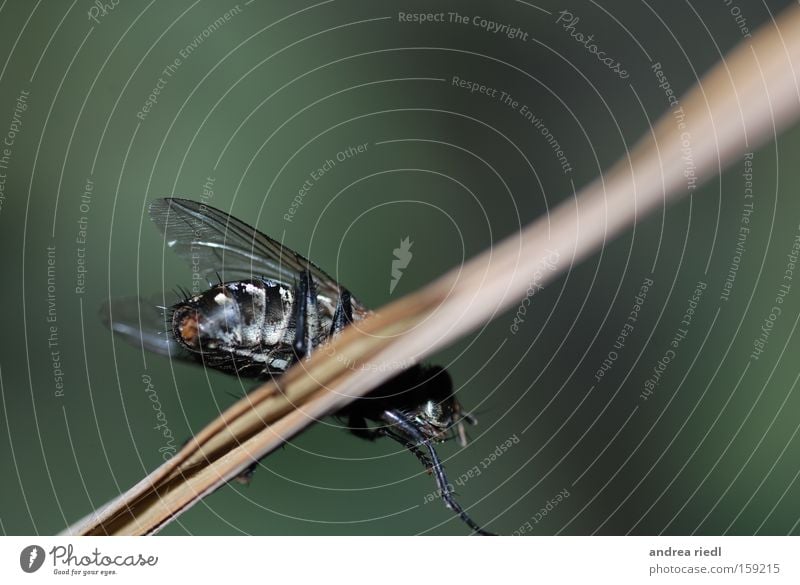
(220, 319)
(439, 415)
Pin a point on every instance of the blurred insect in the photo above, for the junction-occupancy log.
(268, 307)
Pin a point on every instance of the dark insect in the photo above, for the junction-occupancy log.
(268, 307)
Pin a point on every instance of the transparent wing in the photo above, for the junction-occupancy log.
(215, 243)
(143, 324)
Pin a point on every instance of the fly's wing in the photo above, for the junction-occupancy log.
(215, 243)
(143, 324)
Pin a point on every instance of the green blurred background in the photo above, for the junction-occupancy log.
(264, 99)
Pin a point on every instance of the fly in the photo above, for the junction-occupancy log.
(268, 307)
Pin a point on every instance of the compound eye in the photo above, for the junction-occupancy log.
(187, 326)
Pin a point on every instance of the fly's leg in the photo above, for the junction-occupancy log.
(343, 313)
(300, 309)
(245, 477)
(405, 431)
(418, 453)
(358, 426)
(462, 416)
(306, 316)
(313, 324)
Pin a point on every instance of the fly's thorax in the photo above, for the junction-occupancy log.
(233, 315)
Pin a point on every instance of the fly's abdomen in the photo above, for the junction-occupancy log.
(234, 316)
(276, 310)
(273, 326)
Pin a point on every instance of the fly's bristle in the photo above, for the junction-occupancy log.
(182, 294)
(167, 313)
